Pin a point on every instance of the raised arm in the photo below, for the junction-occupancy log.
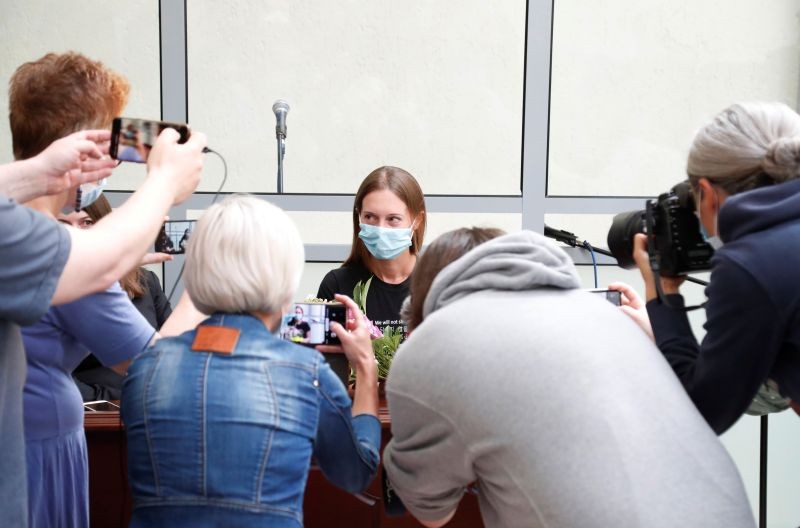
(78, 158)
(116, 244)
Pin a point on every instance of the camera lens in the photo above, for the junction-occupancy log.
(620, 236)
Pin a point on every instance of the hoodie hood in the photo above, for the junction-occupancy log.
(513, 262)
(759, 209)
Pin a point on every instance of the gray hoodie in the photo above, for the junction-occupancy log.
(552, 400)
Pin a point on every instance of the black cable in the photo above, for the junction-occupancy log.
(213, 201)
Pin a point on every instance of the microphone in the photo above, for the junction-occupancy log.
(562, 236)
(280, 108)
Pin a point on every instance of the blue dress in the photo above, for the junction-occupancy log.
(105, 324)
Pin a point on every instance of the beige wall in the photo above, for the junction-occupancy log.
(433, 87)
(633, 80)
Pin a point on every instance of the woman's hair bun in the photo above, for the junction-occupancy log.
(782, 159)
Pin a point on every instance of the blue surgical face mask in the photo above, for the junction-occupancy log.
(87, 194)
(713, 241)
(385, 243)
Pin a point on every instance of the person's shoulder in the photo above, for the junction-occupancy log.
(343, 279)
(354, 272)
(149, 279)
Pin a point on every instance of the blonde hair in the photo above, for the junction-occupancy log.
(747, 145)
(245, 255)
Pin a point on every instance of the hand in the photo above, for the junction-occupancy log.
(633, 305)
(669, 285)
(356, 341)
(180, 164)
(81, 157)
(155, 258)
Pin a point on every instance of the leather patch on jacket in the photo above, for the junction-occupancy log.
(219, 339)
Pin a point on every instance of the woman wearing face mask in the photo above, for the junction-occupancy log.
(388, 227)
(95, 381)
(744, 168)
(55, 94)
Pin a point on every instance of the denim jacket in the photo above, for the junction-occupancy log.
(218, 439)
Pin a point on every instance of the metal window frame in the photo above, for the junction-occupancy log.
(532, 204)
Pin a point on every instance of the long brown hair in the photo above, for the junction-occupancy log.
(132, 281)
(448, 248)
(405, 187)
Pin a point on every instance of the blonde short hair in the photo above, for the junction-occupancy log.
(245, 255)
(747, 145)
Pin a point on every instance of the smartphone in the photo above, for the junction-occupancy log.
(612, 296)
(101, 406)
(310, 323)
(132, 139)
(174, 236)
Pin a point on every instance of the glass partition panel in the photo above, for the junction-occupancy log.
(433, 87)
(633, 80)
(123, 35)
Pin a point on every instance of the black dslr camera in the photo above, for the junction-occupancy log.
(673, 233)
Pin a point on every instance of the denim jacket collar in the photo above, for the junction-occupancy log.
(243, 321)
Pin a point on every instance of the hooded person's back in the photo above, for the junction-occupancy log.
(552, 400)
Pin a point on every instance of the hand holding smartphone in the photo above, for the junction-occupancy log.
(132, 139)
(309, 323)
(174, 236)
(612, 296)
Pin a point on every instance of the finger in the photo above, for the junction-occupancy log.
(198, 140)
(90, 176)
(89, 148)
(339, 331)
(351, 306)
(640, 253)
(155, 258)
(97, 136)
(627, 291)
(640, 243)
(90, 165)
(330, 349)
(168, 135)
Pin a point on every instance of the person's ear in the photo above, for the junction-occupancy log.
(418, 220)
(707, 204)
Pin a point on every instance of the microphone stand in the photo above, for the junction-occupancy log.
(281, 140)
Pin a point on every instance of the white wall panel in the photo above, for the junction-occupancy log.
(433, 87)
(633, 80)
(123, 35)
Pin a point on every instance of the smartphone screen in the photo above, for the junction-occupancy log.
(174, 236)
(101, 406)
(132, 139)
(612, 296)
(309, 323)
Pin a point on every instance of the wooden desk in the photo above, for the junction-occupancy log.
(324, 506)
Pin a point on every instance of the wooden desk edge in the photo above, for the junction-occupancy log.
(111, 420)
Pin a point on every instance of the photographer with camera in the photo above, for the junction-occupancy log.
(549, 410)
(744, 170)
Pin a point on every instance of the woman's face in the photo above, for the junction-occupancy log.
(80, 219)
(383, 208)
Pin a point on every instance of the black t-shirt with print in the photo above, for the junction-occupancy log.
(383, 300)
